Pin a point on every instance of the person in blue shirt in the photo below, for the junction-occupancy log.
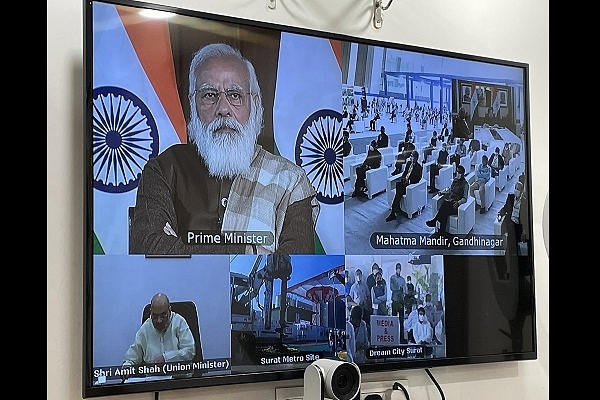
(483, 173)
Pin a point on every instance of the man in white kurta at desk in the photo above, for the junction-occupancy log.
(164, 337)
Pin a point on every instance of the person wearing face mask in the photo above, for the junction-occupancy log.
(412, 174)
(399, 290)
(357, 338)
(432, 317)
(453, 197)
(515, 207)
(422, 330)
(412, 320)
(372, 161)
(409, 296)
(379, 295)
(483, 174)
(359, 295)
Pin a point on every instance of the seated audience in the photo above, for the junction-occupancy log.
(432, 143)
(382, 139)
(461, 151)
(496, 162)
(372, 161)
(444, 133)
(346, 146)
(434, 169)
(412, 174)
(422, 331)
(483, 173)
(452, 198)
(474, 146)
(406, 146)
(411, 320)
(506, 152)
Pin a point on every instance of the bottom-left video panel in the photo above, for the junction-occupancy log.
(210, 315)
(130, 335)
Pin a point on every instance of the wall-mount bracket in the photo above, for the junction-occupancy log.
(377, 8)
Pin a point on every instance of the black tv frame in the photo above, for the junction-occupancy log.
(463, 265)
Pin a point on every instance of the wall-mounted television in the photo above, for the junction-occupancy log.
(245, 179)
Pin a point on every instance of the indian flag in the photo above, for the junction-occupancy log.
(496, 104)
(307, 123)
(474, 101)
(136, 114)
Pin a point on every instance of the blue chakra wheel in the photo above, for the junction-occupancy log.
(319, 152)
(124, 138)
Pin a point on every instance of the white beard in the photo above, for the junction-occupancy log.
(226, 154)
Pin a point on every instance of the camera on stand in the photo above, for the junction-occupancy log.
(327, 379)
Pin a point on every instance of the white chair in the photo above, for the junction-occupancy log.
(388, 159)
(467, 143)
(390, 189)
(388, 155)
(427, 169)
(512, 166)
(462, 223)
(376, 180)
(502, 178)
(500, 226)
(358, 160)
(490, 189)
(349, 160)
(476, 157)
(434, 155)
(465, 161)
(415, 199)
(444, 178)
(420, 136)
(490, 194)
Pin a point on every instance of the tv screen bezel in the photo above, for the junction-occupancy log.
(89, 390)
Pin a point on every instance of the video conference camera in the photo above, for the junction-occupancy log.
(332, 380)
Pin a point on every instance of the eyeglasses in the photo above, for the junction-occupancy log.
(163, 315)
(209, 97)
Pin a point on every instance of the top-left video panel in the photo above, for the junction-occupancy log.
(196, 146)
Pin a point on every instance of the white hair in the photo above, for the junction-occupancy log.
(225, 155)
(217, 149)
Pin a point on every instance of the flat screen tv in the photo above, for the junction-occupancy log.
(228, 211)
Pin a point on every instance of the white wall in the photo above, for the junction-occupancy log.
(510, 29)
